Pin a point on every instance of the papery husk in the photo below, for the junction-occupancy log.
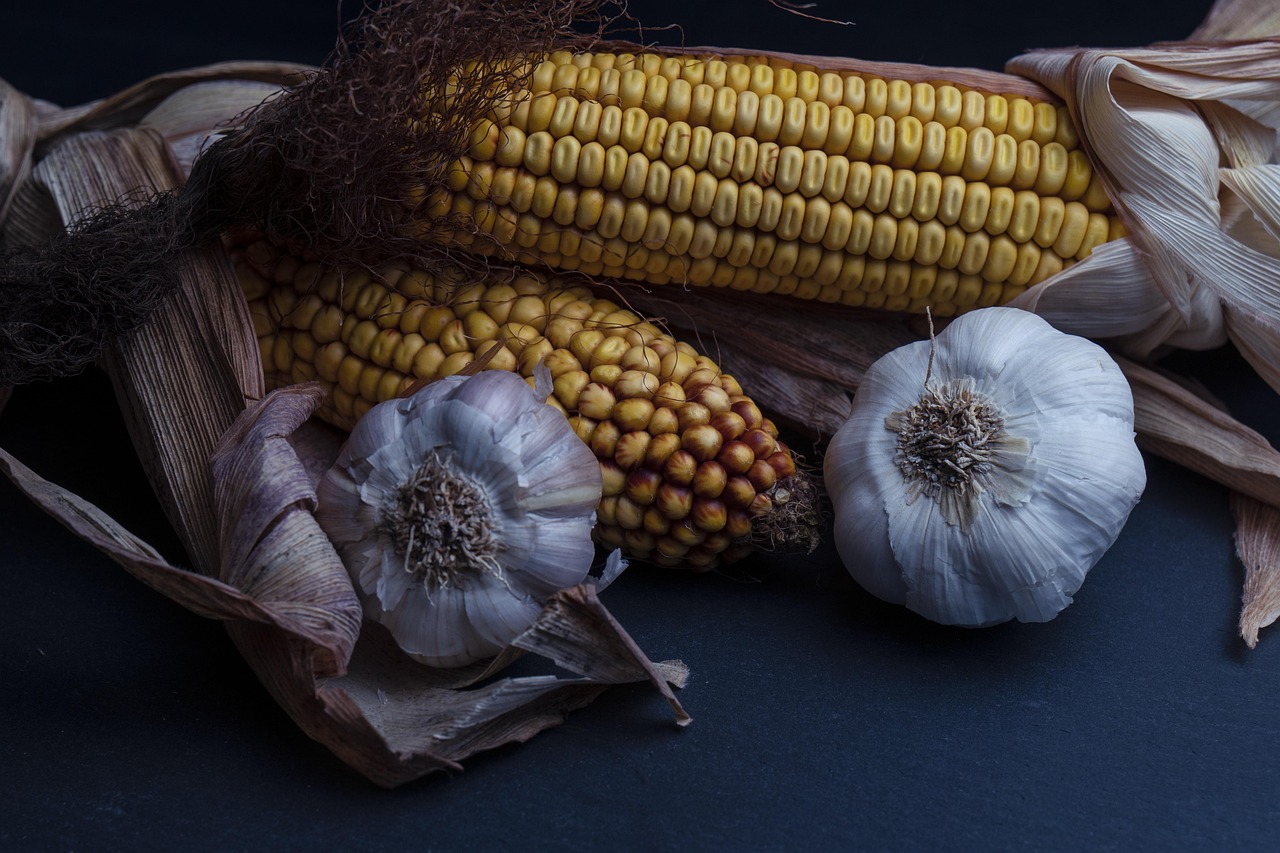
(1182, 136)
(1187, 426)
(1184, 427)
(17, 131)
(236, 476)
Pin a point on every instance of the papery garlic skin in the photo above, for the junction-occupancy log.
(487, 445)
(1055, 494)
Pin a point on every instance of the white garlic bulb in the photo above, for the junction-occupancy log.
(459, 510)
(980, 481)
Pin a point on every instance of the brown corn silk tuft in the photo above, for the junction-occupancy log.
(328, 168)
(97, 281)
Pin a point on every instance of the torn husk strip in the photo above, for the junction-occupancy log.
(142, 102)
(287, 600)
(1185, 428)
(1258, 544)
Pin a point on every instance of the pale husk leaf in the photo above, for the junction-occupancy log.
(174, 420)
(190, 116)
(1183, 427)
(1173, 130)
(17, 133)
(1188, 427)
(132, 105)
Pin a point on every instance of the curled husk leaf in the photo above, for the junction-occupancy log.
(458, 511)
(1184, 137)
(980, 476)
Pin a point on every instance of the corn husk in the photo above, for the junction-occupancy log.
(1182, 139)
(236, 471)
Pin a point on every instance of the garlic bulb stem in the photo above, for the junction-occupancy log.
(443, 524)
(947, 446)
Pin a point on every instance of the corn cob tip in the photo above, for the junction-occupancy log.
(794, 519)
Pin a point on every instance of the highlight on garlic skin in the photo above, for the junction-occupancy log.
(459, 510)
(981, 476)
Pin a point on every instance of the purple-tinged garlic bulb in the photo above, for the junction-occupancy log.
(459, 510)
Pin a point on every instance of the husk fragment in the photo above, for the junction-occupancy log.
(1184, 424)
(175, 403)
(17, 129)
(236, 477)
(1258, 544)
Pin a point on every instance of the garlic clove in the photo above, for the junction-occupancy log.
(497, 614)
(551, 562)
(390, 579)
(426, 626)
(551, 483)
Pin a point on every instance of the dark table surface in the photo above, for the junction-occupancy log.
(822, 717)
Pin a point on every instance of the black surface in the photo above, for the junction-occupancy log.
(823, 718)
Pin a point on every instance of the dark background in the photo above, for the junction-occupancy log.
(823, 718)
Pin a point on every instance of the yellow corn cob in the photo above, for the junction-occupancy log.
(760, 174)
(689, 463)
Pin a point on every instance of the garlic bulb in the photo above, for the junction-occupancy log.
(980, 476)
(459, 510)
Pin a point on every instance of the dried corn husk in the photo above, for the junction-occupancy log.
(1184, 138)
(236, 473)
